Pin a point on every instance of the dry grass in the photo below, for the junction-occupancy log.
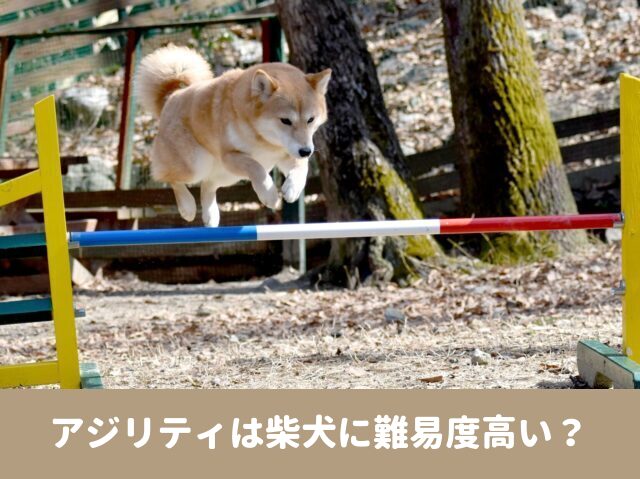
(278, 334)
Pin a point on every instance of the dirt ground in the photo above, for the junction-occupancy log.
(277, 333)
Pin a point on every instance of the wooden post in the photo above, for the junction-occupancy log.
(6, 74)
(630, 178)
(127, 125)
(294, 252)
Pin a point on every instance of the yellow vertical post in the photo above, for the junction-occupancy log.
(57, 243)
(630, 178)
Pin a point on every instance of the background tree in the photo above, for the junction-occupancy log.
(362, 169)
(510, 162)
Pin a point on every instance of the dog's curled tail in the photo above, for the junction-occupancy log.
(167, 70)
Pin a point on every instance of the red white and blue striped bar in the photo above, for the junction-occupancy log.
(355, 229)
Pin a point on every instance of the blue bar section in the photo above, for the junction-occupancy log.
(222, 234)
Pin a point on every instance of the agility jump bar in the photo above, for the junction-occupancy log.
(355, 229)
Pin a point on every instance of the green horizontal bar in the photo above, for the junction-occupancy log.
(28, 311)
(25, 306)
(601, 349)
(22, 241)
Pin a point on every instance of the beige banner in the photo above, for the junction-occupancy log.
(479, 433)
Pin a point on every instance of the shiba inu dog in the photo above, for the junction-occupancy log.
(217, 131)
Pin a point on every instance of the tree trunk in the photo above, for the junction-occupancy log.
(362, 169)
(510, 162)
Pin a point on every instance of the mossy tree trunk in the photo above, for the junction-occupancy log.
(363, 173)
(510, 162)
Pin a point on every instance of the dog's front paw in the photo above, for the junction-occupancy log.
(271, 199)
(211, 218)
(269, 196)
(292, 188)
(187, 208)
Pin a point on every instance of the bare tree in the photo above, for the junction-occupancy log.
(363, 173)
(510, 162)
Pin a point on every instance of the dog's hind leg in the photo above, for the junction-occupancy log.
(210, 211)
(186, 202)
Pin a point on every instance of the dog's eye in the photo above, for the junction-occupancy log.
(286, 121)
(310, 120)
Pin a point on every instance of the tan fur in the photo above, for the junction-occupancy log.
(219, 131)
(164, 71)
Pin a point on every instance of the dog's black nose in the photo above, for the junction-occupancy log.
(304, 152)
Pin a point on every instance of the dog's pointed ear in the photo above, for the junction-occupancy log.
(263, 85)
(320, 81)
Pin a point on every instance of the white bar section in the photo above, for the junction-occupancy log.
(350, 229)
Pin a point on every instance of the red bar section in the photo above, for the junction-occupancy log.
(529, 223)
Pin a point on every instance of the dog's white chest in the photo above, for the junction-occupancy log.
(243, 138)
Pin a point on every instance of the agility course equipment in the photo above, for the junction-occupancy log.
(599, 365)
(352, 229)
(47, 180)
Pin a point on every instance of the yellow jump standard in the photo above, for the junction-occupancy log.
(599, 365)
(46, 180)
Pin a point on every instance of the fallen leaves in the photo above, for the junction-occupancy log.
(155, 335)
(553, 369)
(431, 380)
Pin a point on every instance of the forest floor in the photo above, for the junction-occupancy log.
(282, 333)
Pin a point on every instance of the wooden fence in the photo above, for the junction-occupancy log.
(35, 16)
(44, 48)
(582, 178)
